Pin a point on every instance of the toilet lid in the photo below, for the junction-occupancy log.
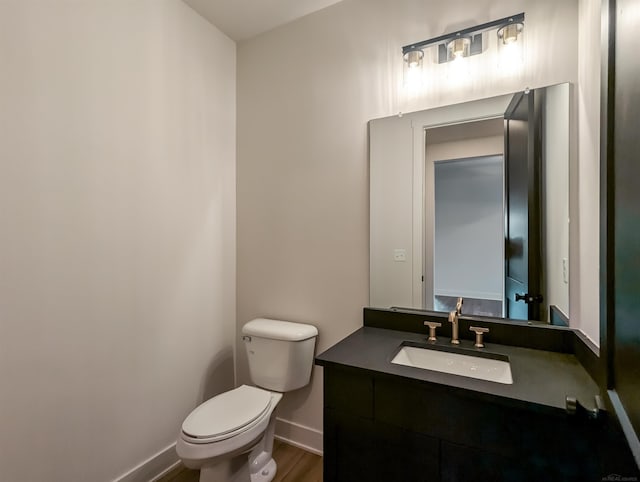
(227, 412)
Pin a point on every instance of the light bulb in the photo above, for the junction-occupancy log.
(459, 47)
(413, 58)
(509, 33)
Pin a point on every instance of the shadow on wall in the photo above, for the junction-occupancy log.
(219, 376)
(293, 401)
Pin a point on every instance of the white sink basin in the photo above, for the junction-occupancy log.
(490, 369)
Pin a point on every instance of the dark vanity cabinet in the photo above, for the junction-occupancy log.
(357, 446)
(381, 427)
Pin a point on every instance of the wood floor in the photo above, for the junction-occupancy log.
(294, 465)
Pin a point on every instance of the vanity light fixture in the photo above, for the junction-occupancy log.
(511, 45)
(459, 47)
(413, 58)
(412, 72)
(464, 43)
(508, 33)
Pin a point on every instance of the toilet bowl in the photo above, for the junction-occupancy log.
(230, 437)
(227, 427)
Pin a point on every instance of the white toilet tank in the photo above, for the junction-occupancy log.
(280, 353)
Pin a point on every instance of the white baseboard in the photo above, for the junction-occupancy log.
(169, 469)
(154, 467)
(166, 460)
(300, 436)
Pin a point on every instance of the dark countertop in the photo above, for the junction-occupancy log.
(542, 378)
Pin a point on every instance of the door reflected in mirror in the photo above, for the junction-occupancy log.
(476, 198)
(468, 232)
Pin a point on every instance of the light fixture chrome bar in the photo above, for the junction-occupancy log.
(468, 32)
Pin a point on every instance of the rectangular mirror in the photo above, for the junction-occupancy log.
(472, 200)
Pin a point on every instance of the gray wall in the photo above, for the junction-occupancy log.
(584, 192)
(305, 93)
(555, 210)
(117, 239)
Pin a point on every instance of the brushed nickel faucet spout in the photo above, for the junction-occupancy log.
(453, 319)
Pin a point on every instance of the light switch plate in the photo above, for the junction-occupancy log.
(400, 255)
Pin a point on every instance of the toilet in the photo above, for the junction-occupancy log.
(230, 436)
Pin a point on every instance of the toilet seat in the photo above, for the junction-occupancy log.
(197, 452)
(227, 415)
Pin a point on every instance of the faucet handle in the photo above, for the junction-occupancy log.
(432, 329)
(479, 331)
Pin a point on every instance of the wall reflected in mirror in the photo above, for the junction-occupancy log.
(472, 200)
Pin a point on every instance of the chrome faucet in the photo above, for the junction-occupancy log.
(453, 319)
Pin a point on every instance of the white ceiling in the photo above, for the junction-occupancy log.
(243, 19)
